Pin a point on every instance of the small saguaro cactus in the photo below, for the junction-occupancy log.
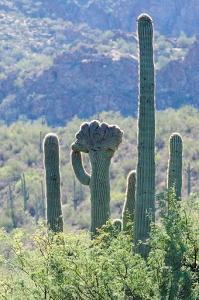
(11, 187)
(40, 141)
(189, 170)
(145, 186)
(42, 201)
(100, 141)
(129, 203)
(174, 177)
(24, 191)
(117, 225)
(36, 207)
(52, 176)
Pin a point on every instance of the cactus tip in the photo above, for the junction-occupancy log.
(144, 17)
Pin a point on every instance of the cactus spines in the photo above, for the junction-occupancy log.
(129, 203)
(100, 141)
(145, 186)
(53, 190)
(174, 178)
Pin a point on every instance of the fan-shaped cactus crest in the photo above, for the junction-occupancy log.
(100, 141)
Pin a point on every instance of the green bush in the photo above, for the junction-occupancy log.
(72, 267)
(41, 265)
(183, 41)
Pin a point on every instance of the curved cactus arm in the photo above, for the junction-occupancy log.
(80, 172)
(129, 203)
(53, 188)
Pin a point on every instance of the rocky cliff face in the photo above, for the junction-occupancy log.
(84, 83)
(79, 83)
(170, 17)
(178, 81)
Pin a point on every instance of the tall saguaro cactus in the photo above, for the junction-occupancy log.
(53, 190)
(174, 178)
(100, 141)
(145, 187)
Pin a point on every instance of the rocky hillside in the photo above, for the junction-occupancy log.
(178, 81)
(66, 58)
(170, 17)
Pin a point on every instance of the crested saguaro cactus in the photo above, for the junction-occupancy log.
(53, 190)
(129, 203)
(100, 141)
(145, 187)
(174, 178)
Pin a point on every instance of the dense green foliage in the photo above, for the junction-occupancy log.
(20, 153)
(41, 265)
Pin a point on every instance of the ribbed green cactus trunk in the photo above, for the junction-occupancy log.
(129, 203)
(53, 190)
(99, 185)
(174, 179)
(145, 188)
(100, 190)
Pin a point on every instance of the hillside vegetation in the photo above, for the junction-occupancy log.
(45, 45)
(30, 42)
(20, 153)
